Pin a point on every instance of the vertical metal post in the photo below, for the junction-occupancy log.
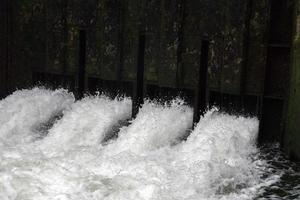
(4, 71)
(8, 46)
(246, 44)
(81, 63)
(138, 99)
(180, 49)
(201, 90)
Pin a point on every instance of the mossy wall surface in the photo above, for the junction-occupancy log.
(292, 132)
(44, 38)
(3, 56)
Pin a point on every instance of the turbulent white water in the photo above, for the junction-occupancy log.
(87, 123)
(80, 158)
(24, 112)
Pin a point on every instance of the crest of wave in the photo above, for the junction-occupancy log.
(87, 123)
(38, 175)
(218, 161)
(156, 125)
(22, 112)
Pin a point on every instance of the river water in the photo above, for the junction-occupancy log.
(55, 148)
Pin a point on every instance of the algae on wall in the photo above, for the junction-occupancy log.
(174, 30)
(16, 64)
(257, 48)
(3, 47)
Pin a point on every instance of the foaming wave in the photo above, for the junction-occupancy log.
(156, 125)
(88, 122)
(24, 111)
(218, 161)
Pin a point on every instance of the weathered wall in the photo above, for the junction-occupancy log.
(254, 65)
(3, 47)
(292, 132)
(44, 39)
(21, 49)
(277, 70)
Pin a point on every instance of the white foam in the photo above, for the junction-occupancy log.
(214, 163)
(151, 129)
(219, 160)
(216, 159)
(23, 111)
(87, 123)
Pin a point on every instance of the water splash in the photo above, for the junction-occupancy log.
(25, 111)
(151, 129)
(147, 160)
(88, 122)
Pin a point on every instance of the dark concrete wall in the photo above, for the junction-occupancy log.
(44, 38)
(17, 59)
(277, 70)
(3, 47)
(292, 132)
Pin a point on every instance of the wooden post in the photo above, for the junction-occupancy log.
(138, 99)
(201, 90)
(81, 63)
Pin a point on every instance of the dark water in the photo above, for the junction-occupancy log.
(289, 185)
